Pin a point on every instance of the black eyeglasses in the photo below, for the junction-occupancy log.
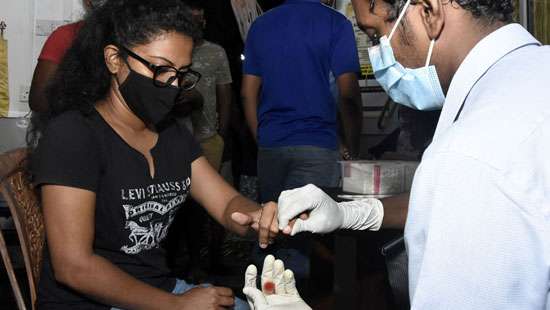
(164, 76)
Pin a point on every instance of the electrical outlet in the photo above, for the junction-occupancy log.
(24, 91)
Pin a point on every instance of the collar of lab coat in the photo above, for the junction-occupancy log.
(480, 60)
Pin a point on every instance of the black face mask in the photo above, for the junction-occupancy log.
(150, 103)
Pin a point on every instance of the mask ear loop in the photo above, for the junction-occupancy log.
(398, 21)
(430, 52)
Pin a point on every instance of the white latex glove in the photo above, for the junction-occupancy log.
(326, 214)
(280, 293)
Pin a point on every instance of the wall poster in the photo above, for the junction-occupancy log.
(4, 89)
(363, 42)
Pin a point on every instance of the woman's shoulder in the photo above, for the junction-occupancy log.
(67, 30)
(176, 130)
(213, 46)
(73, 118)
(68, 153)
(71, 124)
(184, 141)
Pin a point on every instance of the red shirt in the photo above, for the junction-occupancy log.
(59, 42)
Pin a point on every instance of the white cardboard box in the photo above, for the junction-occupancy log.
(382, 177)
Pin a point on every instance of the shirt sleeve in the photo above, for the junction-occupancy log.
(68, 154)
(223, 72)
(344, 56)
(190, 142)
(251, 64)
(58, 43)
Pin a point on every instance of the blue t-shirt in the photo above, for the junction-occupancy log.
(293, 48)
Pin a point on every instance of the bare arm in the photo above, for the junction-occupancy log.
(223, 203)
(223, 102)
(250, 95)
(395, 211)
(351, 111)
(43, 74)
(69, 221)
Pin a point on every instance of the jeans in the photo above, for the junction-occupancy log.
(284, 168)
(182, 287)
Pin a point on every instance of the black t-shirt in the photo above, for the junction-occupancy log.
(133, 211)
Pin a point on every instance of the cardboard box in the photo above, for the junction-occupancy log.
(383, 177)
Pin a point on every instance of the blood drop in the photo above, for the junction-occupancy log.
(269, 287)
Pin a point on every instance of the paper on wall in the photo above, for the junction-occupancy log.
(363, 43)
(73, 10)
(49, 9)
(50, 14)
(4, 89)
(245, 11)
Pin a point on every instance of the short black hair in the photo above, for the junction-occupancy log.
(490, 10)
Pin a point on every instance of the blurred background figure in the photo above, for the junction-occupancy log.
(290, 53)
(52, 53)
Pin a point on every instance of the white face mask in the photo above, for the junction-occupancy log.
(419, 88)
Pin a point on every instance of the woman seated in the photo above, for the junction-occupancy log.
(113, 168)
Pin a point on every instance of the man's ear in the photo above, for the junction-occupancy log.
(433, 17)
(112, 57)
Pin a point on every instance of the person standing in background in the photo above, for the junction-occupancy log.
(476, 220)
(289, 54)
(201, 233)
(211, 122)
(50, 57)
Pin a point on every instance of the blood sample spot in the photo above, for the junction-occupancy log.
(269, 287)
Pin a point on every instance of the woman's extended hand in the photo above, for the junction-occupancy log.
(263, 220)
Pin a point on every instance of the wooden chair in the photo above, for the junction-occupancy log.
(25, 210)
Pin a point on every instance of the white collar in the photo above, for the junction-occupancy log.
(481, 58)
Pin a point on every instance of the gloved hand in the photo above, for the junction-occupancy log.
(278, 288)
(326, 214)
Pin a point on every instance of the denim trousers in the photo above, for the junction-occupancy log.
(182, 287)
(284, 168)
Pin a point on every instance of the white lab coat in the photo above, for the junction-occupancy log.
(478, 229)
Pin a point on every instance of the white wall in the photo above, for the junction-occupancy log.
(19, 17)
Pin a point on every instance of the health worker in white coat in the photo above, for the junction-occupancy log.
(477, 222)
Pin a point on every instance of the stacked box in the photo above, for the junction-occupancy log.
(383, 177)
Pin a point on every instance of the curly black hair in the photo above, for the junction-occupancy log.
(492, 10)
(489, 10)
(82, 78)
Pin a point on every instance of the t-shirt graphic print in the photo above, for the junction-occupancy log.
(149, 212)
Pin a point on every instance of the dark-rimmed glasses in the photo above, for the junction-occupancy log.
(164, 76)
